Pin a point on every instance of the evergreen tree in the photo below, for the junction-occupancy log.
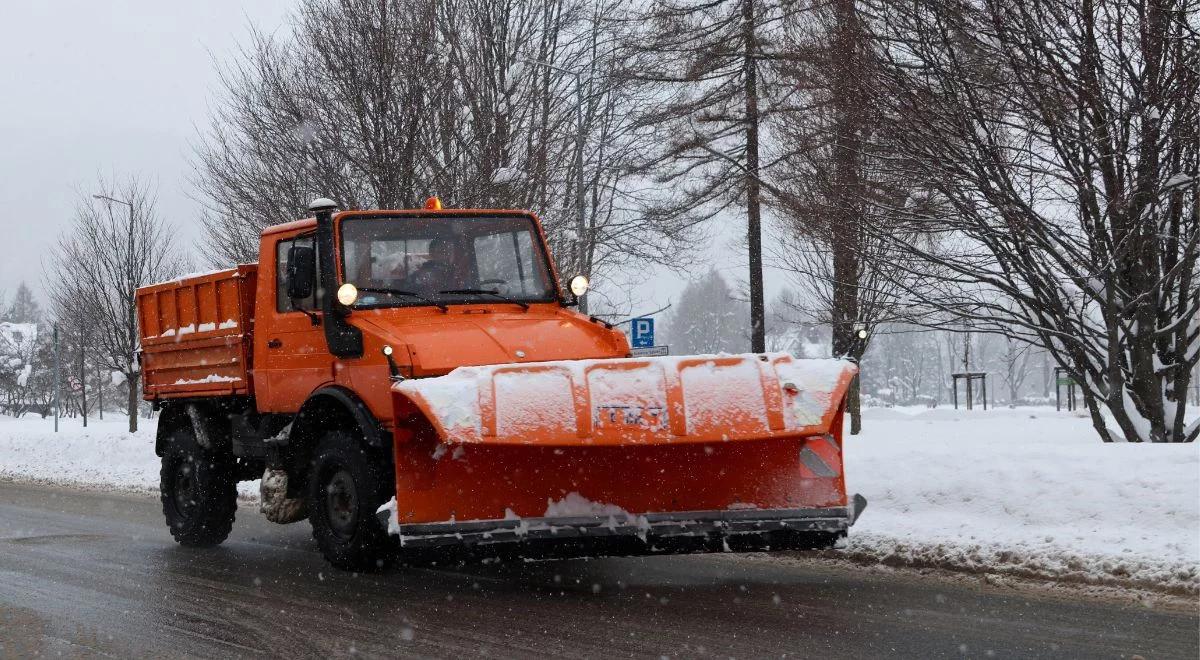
(707, 319)
(24, 307)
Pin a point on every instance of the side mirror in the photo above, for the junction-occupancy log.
(301, 272)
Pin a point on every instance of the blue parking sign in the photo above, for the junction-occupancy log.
(642, 335)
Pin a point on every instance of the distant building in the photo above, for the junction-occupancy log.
(802, 341)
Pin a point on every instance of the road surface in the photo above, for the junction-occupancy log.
(88, 574)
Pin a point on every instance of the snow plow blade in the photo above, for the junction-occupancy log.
(691, 453)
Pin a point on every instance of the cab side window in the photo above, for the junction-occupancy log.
(282, 302)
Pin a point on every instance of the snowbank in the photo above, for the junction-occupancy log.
(103, 456)
(1026, 492)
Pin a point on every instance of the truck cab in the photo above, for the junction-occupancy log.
(438, 288)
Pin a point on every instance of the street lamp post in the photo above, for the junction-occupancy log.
(131, 312)
(56, 377)
(581, 205)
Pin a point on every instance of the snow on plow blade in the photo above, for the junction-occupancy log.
(633, 401)
(729, 447)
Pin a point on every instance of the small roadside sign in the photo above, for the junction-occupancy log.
(651, 351)
(642, 332)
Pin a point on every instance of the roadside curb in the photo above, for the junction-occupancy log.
(1058, 565)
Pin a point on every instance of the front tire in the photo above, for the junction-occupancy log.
(198, 489)
(346, 485)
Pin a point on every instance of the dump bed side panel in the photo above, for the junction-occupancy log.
(196, 334)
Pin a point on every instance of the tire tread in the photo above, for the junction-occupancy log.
(216, 513)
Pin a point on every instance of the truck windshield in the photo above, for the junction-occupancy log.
(407, 261)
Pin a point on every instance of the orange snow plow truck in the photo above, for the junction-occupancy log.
(415, 381)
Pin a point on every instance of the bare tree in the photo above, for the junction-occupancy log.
(1015, 362)
(1059, 142)
(116, 244)
(792, 328)
(378, 104)
(18, 358)
(708, 61)
(903, 358)
(833, 177)
(77, 343)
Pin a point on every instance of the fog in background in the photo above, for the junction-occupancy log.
(104, 88)
(120, 88)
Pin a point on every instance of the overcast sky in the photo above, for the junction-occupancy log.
(104, 87)
(119, 87)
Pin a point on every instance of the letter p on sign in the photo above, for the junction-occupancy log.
(643, 333)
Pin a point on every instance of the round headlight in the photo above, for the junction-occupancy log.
(387, 350)
(579, 285)
(862, 333)
(347, 294)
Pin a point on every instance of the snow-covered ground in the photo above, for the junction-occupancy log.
(1028, 491)
(104, 455)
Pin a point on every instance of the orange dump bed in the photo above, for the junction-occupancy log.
(196, 334)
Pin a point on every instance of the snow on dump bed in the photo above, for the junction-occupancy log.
(720, 391)
(211, 378)
(179, 279)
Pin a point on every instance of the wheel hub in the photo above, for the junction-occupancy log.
(184, 487)
(341, 503)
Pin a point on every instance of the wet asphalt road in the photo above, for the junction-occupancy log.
(87, 574)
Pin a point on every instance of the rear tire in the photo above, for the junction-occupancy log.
(346, 485)
(198, 489)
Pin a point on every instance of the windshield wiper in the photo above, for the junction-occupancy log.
(399, 292)
(489, 292)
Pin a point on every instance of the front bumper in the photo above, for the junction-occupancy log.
(638, 533)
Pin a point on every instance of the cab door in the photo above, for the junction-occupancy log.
(291, 356)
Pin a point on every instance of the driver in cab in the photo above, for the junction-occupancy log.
(444, 269)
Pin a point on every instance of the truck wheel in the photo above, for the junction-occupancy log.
(345, 487)
(198, 489)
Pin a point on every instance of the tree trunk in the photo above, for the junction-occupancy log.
(1046, 374)
(847, 146)
(854, 405)
(83, 387)
(132, 380)
(758, 336)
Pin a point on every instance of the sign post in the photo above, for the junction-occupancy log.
(56, 377)
(1063, 380)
